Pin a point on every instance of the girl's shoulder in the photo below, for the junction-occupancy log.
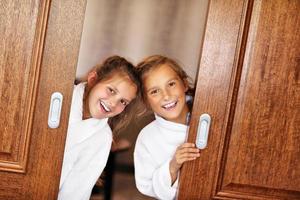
(78, 91)
(76, 106)
(80, 87)
(152, 126)
(149, 130)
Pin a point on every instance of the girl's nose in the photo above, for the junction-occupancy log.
(113, 102)
(166, 95)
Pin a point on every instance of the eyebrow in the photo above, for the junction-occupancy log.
(117, 91)
(127, 101)
(155, 87)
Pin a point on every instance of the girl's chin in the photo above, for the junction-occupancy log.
(169, 117)
(100, 115)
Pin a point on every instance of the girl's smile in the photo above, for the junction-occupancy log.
(169, 106)
(104, 107)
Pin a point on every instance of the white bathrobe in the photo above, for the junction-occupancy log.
(86, 152)
(154, 149)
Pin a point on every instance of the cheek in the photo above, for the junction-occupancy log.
(153, 103)
(119, 109)
(180, 91)
(104, 94)
(96, 95)
(149, 100)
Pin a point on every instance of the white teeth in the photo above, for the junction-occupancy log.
(105, 107)
(169, 105)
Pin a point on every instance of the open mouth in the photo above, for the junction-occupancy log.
(169, 106)
(104, 107)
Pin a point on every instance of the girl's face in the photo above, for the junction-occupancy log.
(165, 93)
(109, 97)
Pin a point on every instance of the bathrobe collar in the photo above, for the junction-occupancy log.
(172, 126)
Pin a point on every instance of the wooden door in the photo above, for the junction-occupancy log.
(39, 47)
(249, 83)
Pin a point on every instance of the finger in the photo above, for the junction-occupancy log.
(187, 150)
(188, 155)
(187, 144)
(192, 150)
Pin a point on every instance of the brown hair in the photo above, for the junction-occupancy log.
(155, 61)
(110, 66)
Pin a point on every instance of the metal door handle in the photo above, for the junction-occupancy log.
(203, 131)
(55, 110)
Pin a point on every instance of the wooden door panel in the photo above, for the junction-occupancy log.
(222, 38)
(39, 49)
(263, 151)
(253, 150)
(18, 75)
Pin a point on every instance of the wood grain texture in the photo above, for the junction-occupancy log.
(253, 150)
(52, 47)
(58, 69)
(218, 60)
(18, 72)
(264, 145)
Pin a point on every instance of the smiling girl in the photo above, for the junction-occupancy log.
(160, 148)
(100, 106)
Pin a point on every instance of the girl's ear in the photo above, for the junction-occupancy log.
(92, 78)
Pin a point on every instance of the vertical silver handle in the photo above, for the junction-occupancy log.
(203, 131)
(55, 110)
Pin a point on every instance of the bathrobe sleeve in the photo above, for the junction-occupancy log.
(151, 178)
(86, 169)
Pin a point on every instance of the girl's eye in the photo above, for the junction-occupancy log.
(153, 92)
(172, 83)
(111, 91)
(123, 102)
